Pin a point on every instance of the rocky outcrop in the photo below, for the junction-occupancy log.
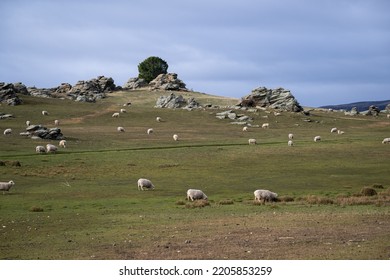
(161, 82)
(9, 93)
(279, 98)
(372, 111)
(83, 91)
(172, 101)
(354, 111)
(39, 131)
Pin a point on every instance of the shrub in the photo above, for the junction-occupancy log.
(198, 204)
(226, 202)
(286, 199)
(151, 67)
(36, 209)
(367, 191)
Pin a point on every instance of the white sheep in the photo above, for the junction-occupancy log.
(115, 115)
(386, 141)
(340, 132)
(56, 122)
(334, 129)
(277, 114)
(62, 143)
(45, 113)
(8, 131)
(150, 131)
(245, 128)
(265, 125)
(5, 186)
(50, 148)
(317, 138)
(144, 184)
(40, 149)
(291, 136)
(290, 143)
(252, 141)
(193, 194)
(388, 116)
(123, 111)
(159, 119)
(265, 195)
(120, 129)
(28, 123)
(176, 137)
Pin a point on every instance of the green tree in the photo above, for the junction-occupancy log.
(151, 67)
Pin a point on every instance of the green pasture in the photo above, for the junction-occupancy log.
(83, 202)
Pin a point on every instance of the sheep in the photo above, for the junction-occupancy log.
(144, 184)
(50, 148)
(252, 141)
(120, 129)
(340, 132)
(123, 111)
(245, 128)
(176, 137)
(5, 186)
(28, 123)
(159, 119)
(334, 129)
(265, 125)
(56, 122)
(388, 116)
(115, 115)
(386, 141)
(290, 143)
(150, 131)
(317, 138)
(277, 114)
(8, 131)
(45, 113)
(40, 149)
(62, 143)
(193, 194)
(291, 136)
(265, 195)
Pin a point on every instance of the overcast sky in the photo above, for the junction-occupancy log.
(325, 52)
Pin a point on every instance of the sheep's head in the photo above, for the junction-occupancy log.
(11, 183)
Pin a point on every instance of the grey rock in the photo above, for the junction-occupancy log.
(135, 83)
(171, 101)
(8, 94)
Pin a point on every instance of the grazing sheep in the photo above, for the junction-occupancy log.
(120, 129)
(386, 141)
(265, 195)
(123, 111)
(62, 143)
(317, 138)
(265, 125)
(50, 148)
(388, 116)
(45, 113)
(176, 137)
(144, 184)
(5, 186)
(56, 122)
(334, 129)
(290, 143)
(158, 119)
(28, 123)
(291, 136)
(277, 114)
(150, 131)
(115, 115)
(252, 141)
(8, 131)
(340, 132)
(245, 128)
(195, 194)
(40, 149)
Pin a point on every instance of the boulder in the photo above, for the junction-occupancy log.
(135, 83)
(39, 131)
(373, 111)
(171, 101)
(167, 82)
(278, 98)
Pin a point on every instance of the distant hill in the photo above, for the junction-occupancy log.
(361, 106)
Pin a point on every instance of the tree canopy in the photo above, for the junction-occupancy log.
(151, 67)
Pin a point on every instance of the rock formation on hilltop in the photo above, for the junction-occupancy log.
(9, 93)
(161, 82)
(279, 98)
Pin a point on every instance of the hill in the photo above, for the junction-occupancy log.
(83, 202)
(361, 106)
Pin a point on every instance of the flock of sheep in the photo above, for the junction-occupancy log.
(195, 194)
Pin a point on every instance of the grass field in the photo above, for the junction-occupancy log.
(83, 202)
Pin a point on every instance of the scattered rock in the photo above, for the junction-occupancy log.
(42, 132)
(279, 98)
(172, 101)
(8, 94)
(135, 83)
(5, 116)
(167, 81)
